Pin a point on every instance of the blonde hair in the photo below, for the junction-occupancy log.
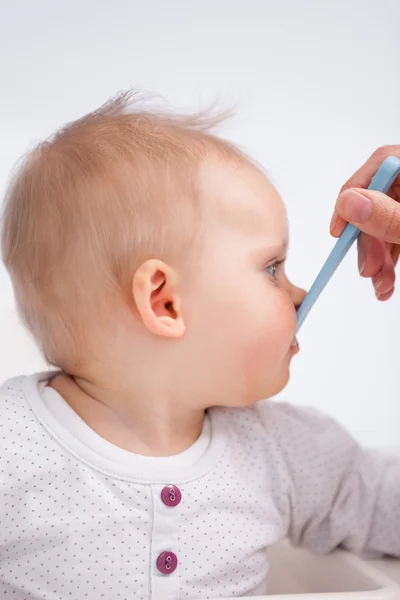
(86, 207)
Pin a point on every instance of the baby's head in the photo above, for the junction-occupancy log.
(144, 250)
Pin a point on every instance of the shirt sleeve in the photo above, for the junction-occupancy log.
(338, 493)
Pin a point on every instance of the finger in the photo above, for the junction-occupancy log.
(372, 212)
(362, 177)
(371, 255)
(337, 224)
(384, 280)
(384, 297)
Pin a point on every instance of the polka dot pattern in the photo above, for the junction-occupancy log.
(70, 530)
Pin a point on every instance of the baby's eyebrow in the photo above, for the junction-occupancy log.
(266, 252)
(278, 249)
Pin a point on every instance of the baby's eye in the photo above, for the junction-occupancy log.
(271, 269)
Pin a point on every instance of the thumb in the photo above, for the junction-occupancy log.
(373, 212)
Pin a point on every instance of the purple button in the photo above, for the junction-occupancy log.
(171, 495)
(167, 562)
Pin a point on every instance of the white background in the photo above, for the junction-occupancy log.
(316, 85)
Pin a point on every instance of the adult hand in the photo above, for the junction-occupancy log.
(378, 216)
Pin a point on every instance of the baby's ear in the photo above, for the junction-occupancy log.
(155, 293)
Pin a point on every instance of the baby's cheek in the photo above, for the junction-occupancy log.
(272, 337)
(261, 354)
(284, 316)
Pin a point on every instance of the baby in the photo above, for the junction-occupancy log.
(147, 259)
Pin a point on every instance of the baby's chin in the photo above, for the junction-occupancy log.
(265, 390)
(280, 385)
(276, 386)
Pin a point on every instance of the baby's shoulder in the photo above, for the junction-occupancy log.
(18, 424)
(272, 416)
(13, 403)
(277, 426)
(276, 414)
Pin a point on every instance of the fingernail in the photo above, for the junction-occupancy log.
(333, 221)
(361, 260)
(378, 285)
(355, 207)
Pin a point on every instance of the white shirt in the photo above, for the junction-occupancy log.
(82, 518)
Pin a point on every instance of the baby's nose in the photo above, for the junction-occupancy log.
(298, 295)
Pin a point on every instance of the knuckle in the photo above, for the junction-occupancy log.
(381, 152)
(387, 150)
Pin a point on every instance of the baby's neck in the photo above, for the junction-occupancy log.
(136, 424)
